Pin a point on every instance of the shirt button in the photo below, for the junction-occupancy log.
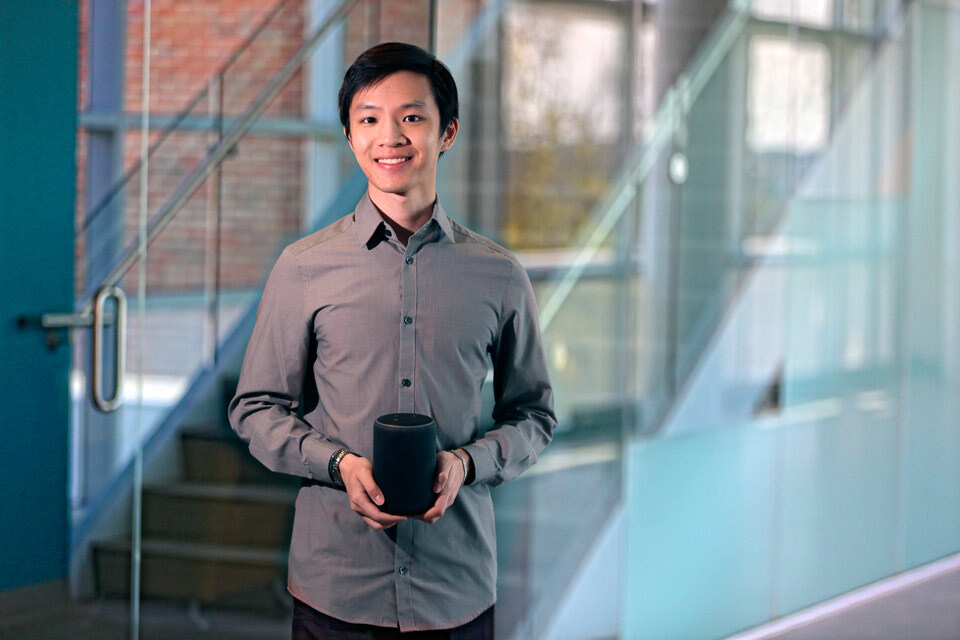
(407, 320)
(405, 382)
(403, 571)
(409, 260)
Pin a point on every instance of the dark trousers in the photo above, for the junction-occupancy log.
(310, 624)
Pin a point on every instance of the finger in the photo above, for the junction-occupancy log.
(377, 525)
(370, 510)
(359, 491)
(428, 513)
(440, 482)
(371, 488)
(442, 503)
(360, 502)
(429, 520)
(436, 510)
(387, 523)
(388, 518)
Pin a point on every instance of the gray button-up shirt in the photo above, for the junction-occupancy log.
(364, 326)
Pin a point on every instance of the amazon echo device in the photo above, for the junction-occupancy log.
(404, 461)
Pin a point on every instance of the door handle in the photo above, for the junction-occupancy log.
(120, 361)
(98, 319)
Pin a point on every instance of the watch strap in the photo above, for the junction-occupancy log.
(333, 467)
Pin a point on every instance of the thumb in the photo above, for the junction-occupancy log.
(439, 482)
(370, 486)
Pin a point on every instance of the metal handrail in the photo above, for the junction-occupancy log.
(178, 119)
(220, 151)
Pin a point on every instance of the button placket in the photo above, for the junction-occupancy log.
(408, 335)
(402, 578)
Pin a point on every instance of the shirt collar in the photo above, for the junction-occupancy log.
(369, 221)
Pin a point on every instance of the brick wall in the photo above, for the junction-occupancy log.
(262, 191)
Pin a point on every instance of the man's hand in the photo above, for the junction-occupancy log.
(364, 494)
(447, 482)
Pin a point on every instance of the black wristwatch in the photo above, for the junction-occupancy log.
(333, 467)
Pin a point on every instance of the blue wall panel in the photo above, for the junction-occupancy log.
(38, 71)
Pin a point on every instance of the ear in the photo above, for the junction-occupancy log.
(347, 136)
(446, 140)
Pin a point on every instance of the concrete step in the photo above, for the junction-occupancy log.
(213, 454)
(219, 575)
(237, 514)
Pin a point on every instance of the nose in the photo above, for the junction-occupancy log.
(391, 134)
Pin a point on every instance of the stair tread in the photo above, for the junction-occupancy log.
(200, 551)
(247, 492)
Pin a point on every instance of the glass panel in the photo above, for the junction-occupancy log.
(107, 232)
(810, 334)
(201, 278)
(532, 168)
(930, 309)
(841, 378)
(549, 518)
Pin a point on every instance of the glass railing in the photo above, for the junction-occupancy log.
(180, 137)
(255, 161)
(220, 172)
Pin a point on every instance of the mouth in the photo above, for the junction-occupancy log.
(393, 162)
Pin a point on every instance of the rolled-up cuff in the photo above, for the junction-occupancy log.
(316, 457)
(484, 465)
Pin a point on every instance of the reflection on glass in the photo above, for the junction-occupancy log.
(562, 137)
(789, 103)
(817, 12)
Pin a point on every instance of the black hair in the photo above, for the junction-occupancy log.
(379, 61)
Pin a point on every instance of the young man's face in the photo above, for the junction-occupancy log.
(395, 135)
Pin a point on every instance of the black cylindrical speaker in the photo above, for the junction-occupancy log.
(404, 460)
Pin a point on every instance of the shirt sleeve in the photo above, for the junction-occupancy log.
(523, 414)
(263, 410)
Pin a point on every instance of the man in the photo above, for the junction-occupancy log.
(394, 308)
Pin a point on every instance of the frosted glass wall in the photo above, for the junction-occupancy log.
(815, 445)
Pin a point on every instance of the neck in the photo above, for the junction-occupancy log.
(404, 213)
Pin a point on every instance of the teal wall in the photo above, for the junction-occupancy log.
(38, 85)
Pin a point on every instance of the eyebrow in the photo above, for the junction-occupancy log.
(408, 105)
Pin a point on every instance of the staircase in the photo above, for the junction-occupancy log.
(218, 536)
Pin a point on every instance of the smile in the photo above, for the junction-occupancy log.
(393, 161)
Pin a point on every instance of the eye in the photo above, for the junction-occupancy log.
(367, 120)
(415, 117)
